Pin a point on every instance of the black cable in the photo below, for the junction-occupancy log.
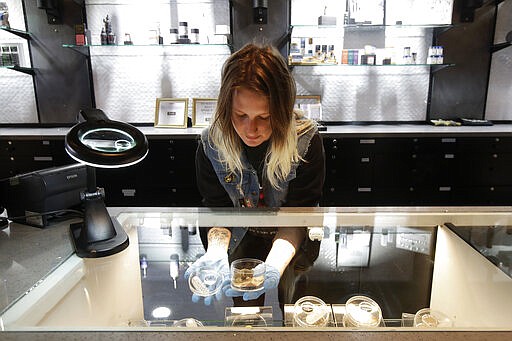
(4, 221)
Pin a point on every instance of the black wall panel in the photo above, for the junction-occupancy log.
(62, 80)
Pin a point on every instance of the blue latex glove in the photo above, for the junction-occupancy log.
(218, 260)
(272, 277)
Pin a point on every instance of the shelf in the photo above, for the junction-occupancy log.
(435, 67)
(500, 46)
(26, 70)
(139, 45)
(19, 33)
(174, 49)
(371, 26)
(438, 67)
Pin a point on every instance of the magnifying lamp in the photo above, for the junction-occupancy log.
(100, 142)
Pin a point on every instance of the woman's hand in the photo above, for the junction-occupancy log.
(216, 259)
(278, 258)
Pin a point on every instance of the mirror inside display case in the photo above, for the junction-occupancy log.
(391, 264)
(379, 270)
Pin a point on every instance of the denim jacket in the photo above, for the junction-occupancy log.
(246, 192)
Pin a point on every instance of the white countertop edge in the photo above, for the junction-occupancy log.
(373, 129)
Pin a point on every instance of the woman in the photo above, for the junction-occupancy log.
(258, 152)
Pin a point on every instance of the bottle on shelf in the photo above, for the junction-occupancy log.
(103, 36)
(4, 15)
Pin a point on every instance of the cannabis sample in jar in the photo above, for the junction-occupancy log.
(247, 274)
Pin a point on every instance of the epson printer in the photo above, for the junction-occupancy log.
(28, 197)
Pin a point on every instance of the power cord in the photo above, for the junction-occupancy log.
(58, 214)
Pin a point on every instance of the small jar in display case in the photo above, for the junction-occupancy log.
(310, 311)
(362, 311)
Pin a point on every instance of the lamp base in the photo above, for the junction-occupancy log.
(101, 248)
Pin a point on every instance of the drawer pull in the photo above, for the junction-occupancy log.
(128, 192)
(365, 159)
(445, 189)
(43, 158)
(367, 141)
(364, 189)
(449, 156)
(448, 140)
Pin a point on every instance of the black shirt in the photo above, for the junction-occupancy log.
(303, 191)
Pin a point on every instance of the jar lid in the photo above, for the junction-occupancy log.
(188, 322)
(310, 311)
(205, 281)
(362, 311)
(173, 30)
(183, 23)
(430, 318)
(194, 30)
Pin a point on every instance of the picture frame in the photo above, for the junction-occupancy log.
(203, 110)
(311, 105)
(171, 112)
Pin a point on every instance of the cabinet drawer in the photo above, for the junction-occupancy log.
(177, 147)
(485, 144)
(349, 145)
(483, 195)
(350, 176)
(490, 168)
(118, 195)
(335, 196)
(184, 195)
(437, 144)
(33, 147)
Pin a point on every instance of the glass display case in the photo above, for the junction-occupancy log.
(400, 270)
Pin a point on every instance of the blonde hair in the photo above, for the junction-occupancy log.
(261, 69)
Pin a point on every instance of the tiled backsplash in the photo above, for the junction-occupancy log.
(128, 79)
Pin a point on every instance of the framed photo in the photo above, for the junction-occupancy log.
(171, 112)
(203, 110)
(310, 105)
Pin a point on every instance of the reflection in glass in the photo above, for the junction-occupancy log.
(108, 140)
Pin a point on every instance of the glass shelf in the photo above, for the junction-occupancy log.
(19, 33)
(371, 26)
(121, 48)
(499, 46)
(368, 65)
(26, 70)
(138, 45)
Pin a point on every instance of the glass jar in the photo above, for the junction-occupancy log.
(247, 274)
(194, 36)
(183, 29)
(173, 36)
(205, 281)
(362, 311)
(429, 318)
(310, 311)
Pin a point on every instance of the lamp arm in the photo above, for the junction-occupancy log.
(92, 114)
